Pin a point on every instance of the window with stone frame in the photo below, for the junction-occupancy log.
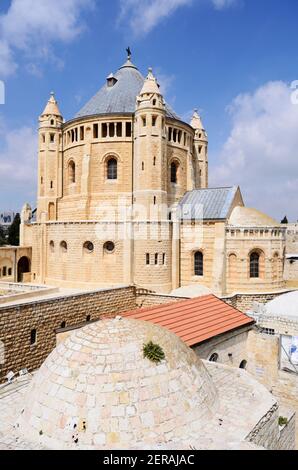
(112, 169)
(71, 172)
(199, 263)
(174, 172)
(254, 265)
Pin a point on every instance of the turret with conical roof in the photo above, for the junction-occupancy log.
(50, 159)
(201, 151)
(150, 154)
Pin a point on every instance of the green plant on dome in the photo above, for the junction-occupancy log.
(282, 421)
(153, 352)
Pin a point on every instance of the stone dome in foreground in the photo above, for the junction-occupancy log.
(96, 390)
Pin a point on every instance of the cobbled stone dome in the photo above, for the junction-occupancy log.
(96, 390)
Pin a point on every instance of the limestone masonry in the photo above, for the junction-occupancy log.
(123, 198)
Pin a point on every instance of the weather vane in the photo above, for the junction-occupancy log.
(128, 50)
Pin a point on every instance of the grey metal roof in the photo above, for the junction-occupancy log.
(208, 204)
(120, 98)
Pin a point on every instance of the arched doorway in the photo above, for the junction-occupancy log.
(23, 268)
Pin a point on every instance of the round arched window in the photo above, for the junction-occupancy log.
(63, 246)
(213, 357)
(112, 169)
(254, 265)
(174, 172)
(71, 172)
(109, 247)
(243, 364)
(88, 247)
(52, 246)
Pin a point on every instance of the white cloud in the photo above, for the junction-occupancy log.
(143, 15)
(18, 155)
(261, 153)
(32, 27)
(222, 4)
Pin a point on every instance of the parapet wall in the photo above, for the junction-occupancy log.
(245, 302)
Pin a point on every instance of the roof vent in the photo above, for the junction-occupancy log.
(111, 80)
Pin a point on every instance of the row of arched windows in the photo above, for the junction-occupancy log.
(5, 271)
(103, 130)
(256, 264)
(111, 169)
(214, 358)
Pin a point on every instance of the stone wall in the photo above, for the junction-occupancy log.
(263, 363)
(287, 432)
(45, 316)
(266, 433)
(9, 259)
(245, 301)
(147, 299)
(230, 347)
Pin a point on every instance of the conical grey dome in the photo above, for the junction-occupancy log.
(121, 97)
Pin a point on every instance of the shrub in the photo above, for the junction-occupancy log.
(153, 352)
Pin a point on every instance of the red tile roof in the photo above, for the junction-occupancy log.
(194, 320)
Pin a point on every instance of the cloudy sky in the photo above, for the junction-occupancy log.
(234, 60)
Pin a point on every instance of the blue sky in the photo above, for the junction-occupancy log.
(233, 59)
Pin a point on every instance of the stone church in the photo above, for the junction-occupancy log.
(123, 199)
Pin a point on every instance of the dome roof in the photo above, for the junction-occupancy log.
(191, 291)
(246, 217)
(285, 305)
(96, 390)
(121, 96)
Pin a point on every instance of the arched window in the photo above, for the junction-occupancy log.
(109, 247)
(243, 364)
(63, 325)
(51, 211)
(88, 247)
(63, 247)
(174, 172)
(71, 172)
(213, 357)
(254, 265)
(199, 263)
(232, 265)
(112, 169)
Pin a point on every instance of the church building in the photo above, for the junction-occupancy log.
(123, 199)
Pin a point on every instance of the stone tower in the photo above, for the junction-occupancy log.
(49, 160)
(201, 151)
(152, 230)
(150, 165)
